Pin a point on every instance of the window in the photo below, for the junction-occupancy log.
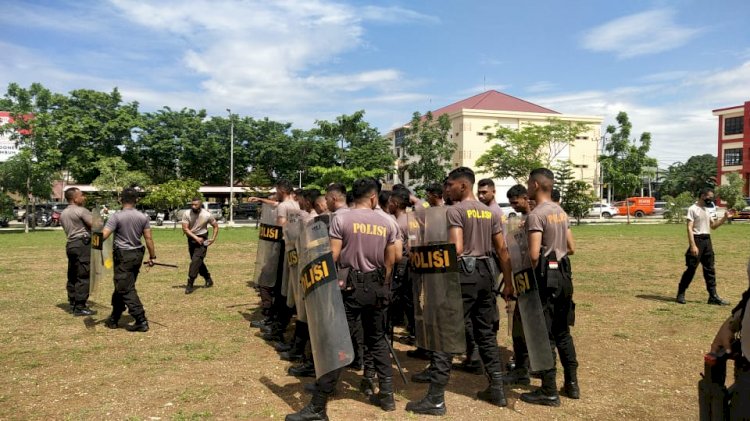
(733, 125)
(733, 157)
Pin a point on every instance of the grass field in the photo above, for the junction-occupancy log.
(640, 353)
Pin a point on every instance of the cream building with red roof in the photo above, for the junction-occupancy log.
(472, 119)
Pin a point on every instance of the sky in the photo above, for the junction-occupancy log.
(668, 64)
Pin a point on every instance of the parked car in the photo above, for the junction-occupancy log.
(508, 210)
(743, 214)
(602, 209)
(216, 210)
(660, 208)
(19, 212)
(247, 211)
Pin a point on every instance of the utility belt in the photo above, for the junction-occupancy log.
(86, 240)
(468, 264)
(702, 236)
(121, 254)
(367, 288)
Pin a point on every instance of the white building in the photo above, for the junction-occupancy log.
(472, 119)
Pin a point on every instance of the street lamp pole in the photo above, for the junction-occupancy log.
(231, 167)
(300, 178)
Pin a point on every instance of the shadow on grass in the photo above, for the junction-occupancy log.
(660, 298)
(288, 393)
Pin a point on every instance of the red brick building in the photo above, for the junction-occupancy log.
(734, 143)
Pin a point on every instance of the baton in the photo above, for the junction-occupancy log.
(395, 358)
(160, 264)
(389, 342)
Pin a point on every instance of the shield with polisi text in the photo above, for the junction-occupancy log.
(324, 306)
(292, 231)
(102, 264)
(438, 306)
(268, 261)
(529, 304)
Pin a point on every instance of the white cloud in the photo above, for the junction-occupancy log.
(266, 55)
(541, 86)
(678, 113)
(643, 33)
(396, 14)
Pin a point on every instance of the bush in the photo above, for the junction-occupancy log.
(676, 207)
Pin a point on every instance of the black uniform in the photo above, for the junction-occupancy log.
(76, 221)
(553, 274)
(366, 294)
(127, 226)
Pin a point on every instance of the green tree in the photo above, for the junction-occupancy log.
(563, 176)
(359, 144)
(114, 175)
(516, 152)
(676, 207)
(428, 149)
(625, 159)
(731, 192)
(697, 172)
(89, 126)
(323, 176)
(172, 194)
(578, 199)
(35, 134)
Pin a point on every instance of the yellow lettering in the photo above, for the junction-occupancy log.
(437, 257)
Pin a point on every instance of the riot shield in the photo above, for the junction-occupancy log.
(291, 240)
(438, 306)
(326, 318)
(270, 238)
(529, 304)
(102, 265)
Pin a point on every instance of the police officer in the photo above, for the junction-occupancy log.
(434, 195)
(129, 226)
(76, 222)
(195, 226)
(363, 245)
(279, 310)
(700, 250)
(738, 324)
(547, 227)
(519, 369)
(475, 231)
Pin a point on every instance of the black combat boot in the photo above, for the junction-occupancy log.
(714, 299)
(140, 325)
(112, 321)
(432, 404)
(547, 394)
(82, 310)
(306, 369)
(261, 323)
(384, 398)
(314, 411)
(367, 384)
(209, 282)
(494, 394)
(571, 389)
(189, 288)
(518, 375)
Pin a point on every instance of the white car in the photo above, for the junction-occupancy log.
(602, 209)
